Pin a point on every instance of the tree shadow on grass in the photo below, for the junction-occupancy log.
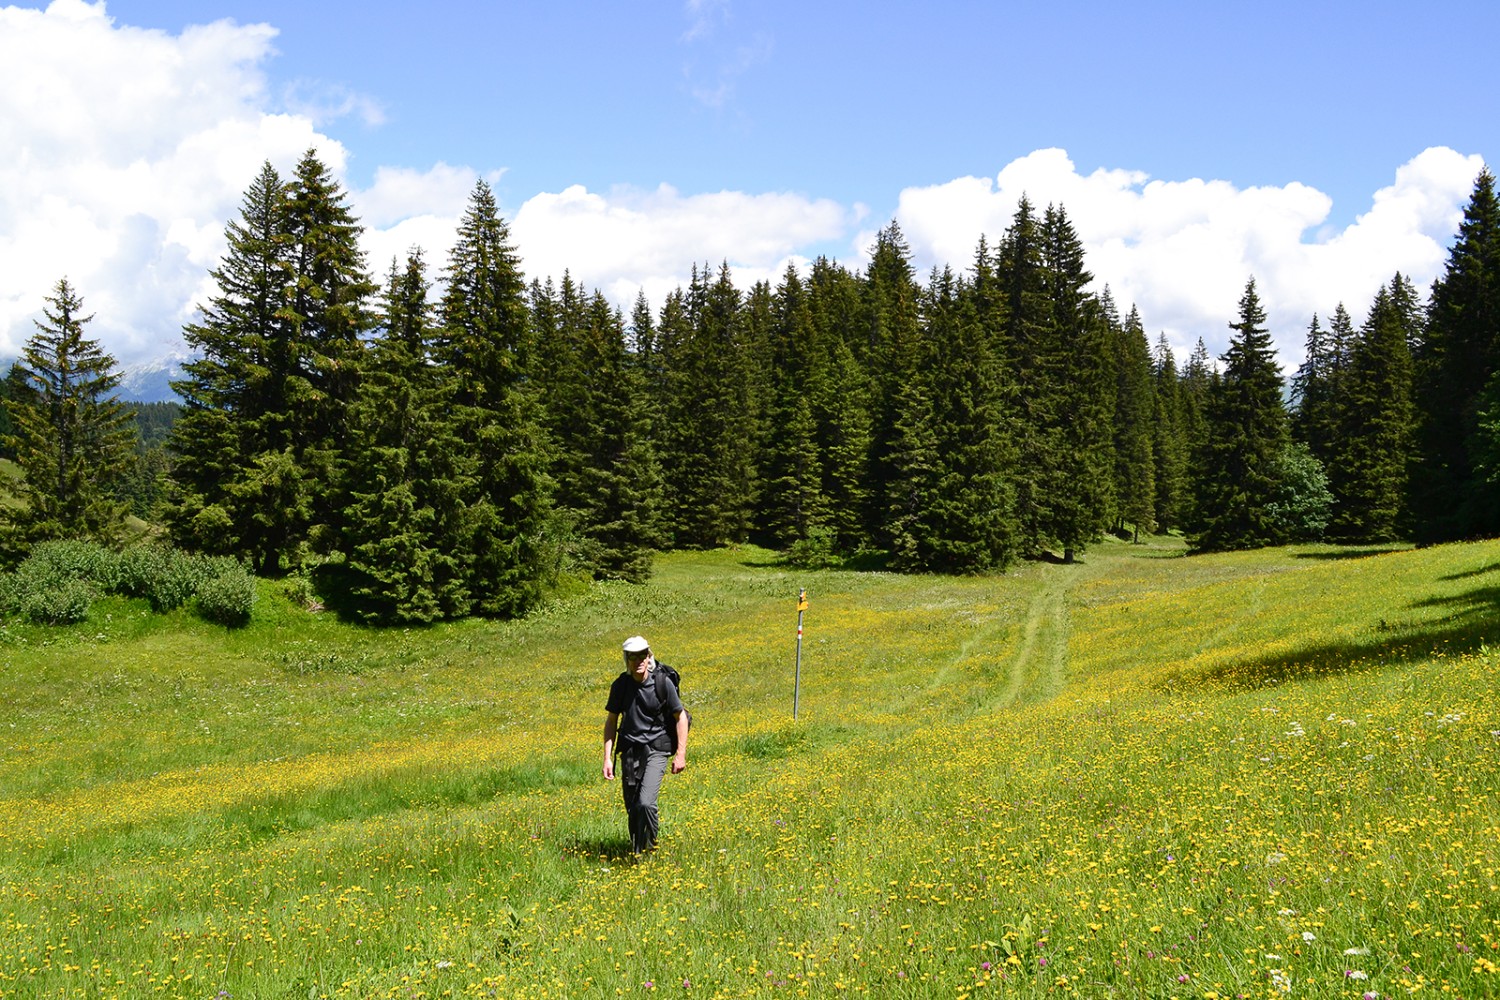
(1472, 620)
(860, 562)
(1471, 574)
(1362, 552)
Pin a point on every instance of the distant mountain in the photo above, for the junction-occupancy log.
(150, 381)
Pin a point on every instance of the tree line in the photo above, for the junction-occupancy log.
(456, 443)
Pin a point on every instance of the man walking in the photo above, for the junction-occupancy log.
(645, 712)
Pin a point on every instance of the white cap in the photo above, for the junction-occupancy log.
(636, 644)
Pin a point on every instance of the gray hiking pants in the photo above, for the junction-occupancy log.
(641, 771)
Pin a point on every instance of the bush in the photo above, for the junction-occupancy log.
(819, 550)
(58, 581)
(228, 597)
(69, 559)
(61, 603)
(167, 578)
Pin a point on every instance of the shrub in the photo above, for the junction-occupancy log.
(69, 559)
(61, 603)
(227, 597)
(167, 578)
(819, 550)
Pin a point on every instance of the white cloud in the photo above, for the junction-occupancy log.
(630, 240)
(127, 149)
(1182, 250)
(704, 16)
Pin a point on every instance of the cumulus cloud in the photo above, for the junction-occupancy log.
(132, 148)
(127, 149)
(630, 240)
(1181, 251)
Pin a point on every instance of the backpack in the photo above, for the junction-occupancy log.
(664, 674)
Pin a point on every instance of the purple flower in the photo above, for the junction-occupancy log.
(1041, 963)
(985, 966)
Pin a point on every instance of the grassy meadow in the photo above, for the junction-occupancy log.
(1271, 774)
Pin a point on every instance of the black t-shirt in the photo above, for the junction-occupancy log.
(641, 717)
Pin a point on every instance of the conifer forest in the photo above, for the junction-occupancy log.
(432, 443)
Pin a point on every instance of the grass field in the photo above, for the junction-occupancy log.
(1271, 774)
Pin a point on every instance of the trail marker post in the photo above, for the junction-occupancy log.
(797, 676)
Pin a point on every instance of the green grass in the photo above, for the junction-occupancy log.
(1145, 775)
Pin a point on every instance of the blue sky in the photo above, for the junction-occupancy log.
(1320, 147)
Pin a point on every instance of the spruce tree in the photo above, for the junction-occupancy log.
(485, 345)
(1021, 276)
(608, 484)
(237, 392)
(72, 437)
(279, 353)
(1458, 355)
(1081, 484)
(891, 324)
(792, 505)
(1169, 447)
(708, 454)
(1134, 430)
(1200, 378)
(951, 501)
(1247, 427)
(404, 470)
(1316, 390)
(841, 406)
(328, 304)
(1368, 470)
(913, 490)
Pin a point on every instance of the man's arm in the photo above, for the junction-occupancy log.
(611, 728)
(679, 762)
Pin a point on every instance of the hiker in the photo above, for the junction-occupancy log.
(645, 711)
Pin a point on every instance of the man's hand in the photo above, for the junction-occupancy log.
(609, 769)
(679, 763)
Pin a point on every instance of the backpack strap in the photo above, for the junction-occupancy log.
(667, 722)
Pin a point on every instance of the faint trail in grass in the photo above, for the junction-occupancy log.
(1039, 669)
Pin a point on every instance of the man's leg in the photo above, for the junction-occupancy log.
(642, 783)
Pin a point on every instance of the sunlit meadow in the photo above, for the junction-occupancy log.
(1259, 775)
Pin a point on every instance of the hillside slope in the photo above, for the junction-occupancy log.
(1259, 775)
